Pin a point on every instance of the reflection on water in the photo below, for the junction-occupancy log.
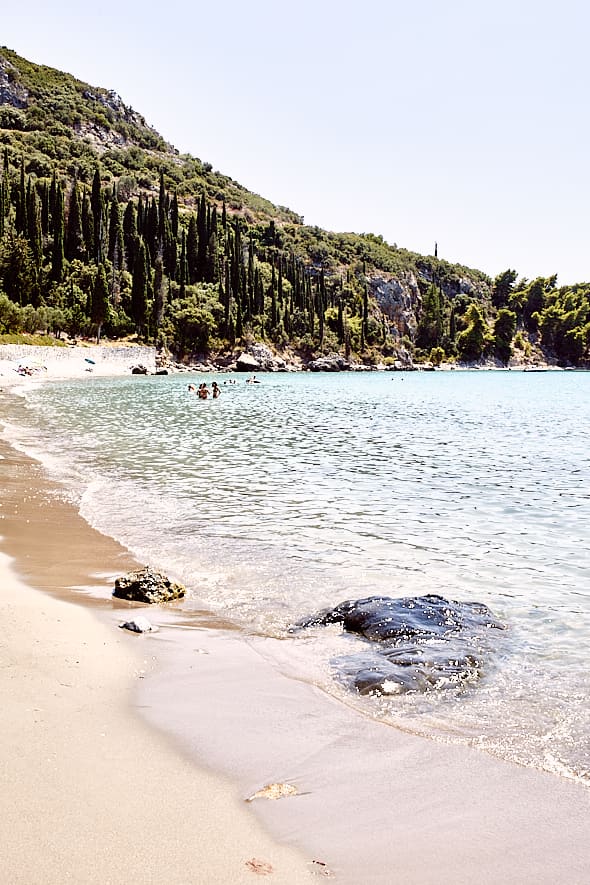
(295, 494)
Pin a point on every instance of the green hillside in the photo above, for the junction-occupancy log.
(106, 229)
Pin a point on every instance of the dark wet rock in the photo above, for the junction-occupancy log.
(411, 643)
(139, 625)
(147, 585)
(139, 370)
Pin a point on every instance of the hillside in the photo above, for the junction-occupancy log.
(106, 228)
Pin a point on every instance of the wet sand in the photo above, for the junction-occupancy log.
(88, 787)
(89, 792)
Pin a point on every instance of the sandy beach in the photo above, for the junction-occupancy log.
(110, 776)
(89, 792)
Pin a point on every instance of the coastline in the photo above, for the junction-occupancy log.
(90, 791)
(374, 803)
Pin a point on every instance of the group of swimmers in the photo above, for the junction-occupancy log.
(203, 391)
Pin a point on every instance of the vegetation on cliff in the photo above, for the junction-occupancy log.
(106, 229)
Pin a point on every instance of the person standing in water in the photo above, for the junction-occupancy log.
(216, 390)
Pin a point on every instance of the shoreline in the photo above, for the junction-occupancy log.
(371, 799)
(89, 789)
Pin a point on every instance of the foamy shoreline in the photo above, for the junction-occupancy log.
(375, 804)
(90, 793)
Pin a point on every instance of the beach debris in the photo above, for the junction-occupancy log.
(319, 868)
(147, 585)
(274, 791)
(410, 644)
(260, 867)
(139, 625)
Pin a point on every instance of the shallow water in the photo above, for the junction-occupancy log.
(281, 498)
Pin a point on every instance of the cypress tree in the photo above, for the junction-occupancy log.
(159, 294)
(88, 226)
(34, 225)
(152, 228)
(20, 219)
(57, 262)
(211, 276)
(43, 191)
(74, 243)
(161, 209)
(182, 270)
(100, 307)
(227, 297)
(98, 216)
(192, 249)
(130, 234)
(174, 216)
(115, 248)
(365, 322)
(52, 201)
(340, 323)
(139, 288)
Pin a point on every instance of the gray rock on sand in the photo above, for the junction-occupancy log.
(139, 625)
(147, 585)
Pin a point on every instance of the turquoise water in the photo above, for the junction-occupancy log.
(281, 498)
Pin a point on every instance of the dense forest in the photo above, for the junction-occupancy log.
(105, 230)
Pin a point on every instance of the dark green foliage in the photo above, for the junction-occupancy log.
(139, 289)
(17, 269)
(74, 242)
(145, 220)
(504, 329)
(503, 287)
(57, 258)
(472, 342)
(430, 327)
(100, 308)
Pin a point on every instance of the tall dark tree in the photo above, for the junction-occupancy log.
(115, 249)
(88, 226)
(98, 215)
(100, 307)
(192, 249)
(35, 233)
(139, 289)
(74, 241)
(57, 256)
(159, 293)
(130, 234)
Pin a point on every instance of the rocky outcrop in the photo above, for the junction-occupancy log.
(247, 363)
(147, 585)
(11, 91)
(260, 358)
(412, 643)
(333, 362)
(399, 298)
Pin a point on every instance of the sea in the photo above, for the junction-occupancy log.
(291, 495)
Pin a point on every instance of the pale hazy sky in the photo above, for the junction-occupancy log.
(463, 122)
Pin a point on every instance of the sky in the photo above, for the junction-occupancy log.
(462, 122)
